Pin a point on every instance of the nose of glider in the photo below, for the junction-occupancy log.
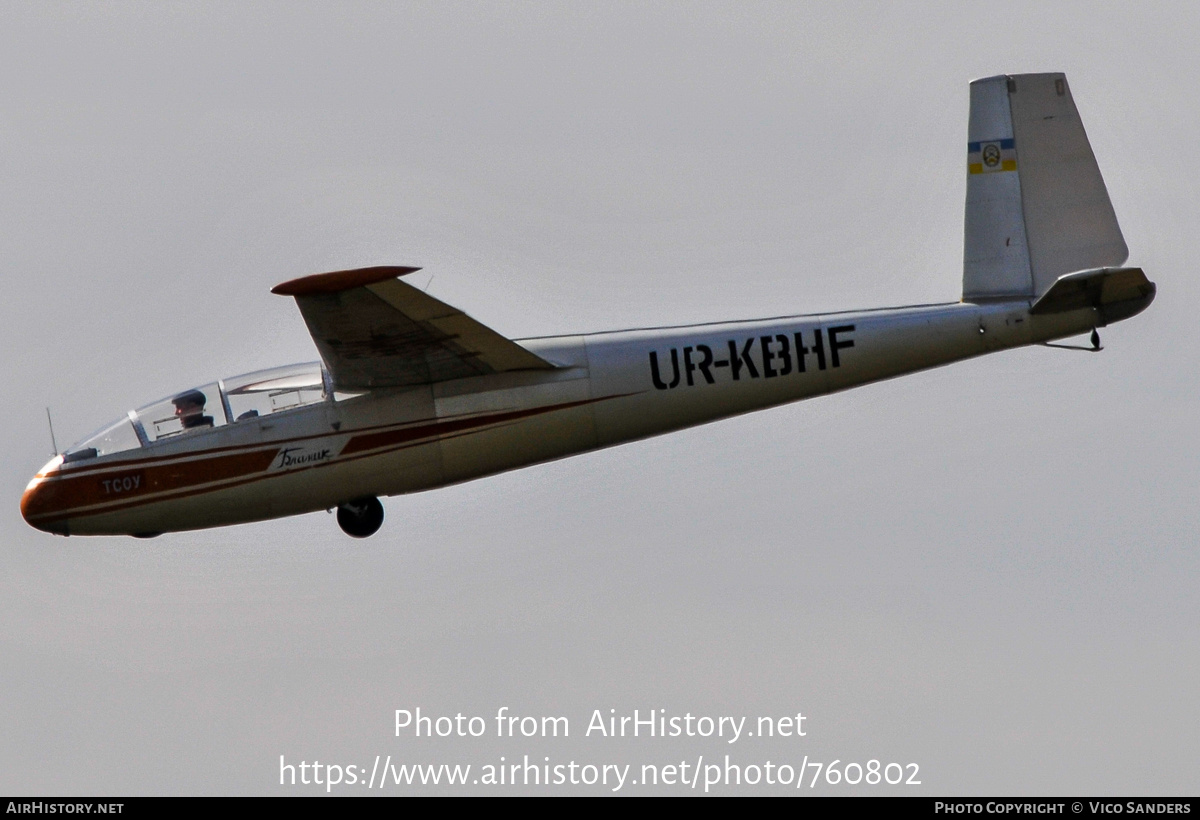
(38, 503)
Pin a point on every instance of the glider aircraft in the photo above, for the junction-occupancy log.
(412, 394)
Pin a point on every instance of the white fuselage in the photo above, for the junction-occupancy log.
(609, 388)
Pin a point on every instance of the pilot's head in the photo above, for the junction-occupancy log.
(189, 408)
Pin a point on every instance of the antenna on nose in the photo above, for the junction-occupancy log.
(51, 423)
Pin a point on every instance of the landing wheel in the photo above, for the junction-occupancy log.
(360, 517)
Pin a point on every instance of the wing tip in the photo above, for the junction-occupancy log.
(339, 280)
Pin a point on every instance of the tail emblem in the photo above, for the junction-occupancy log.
(989, 157)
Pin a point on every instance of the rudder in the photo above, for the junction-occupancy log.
(1037, 206)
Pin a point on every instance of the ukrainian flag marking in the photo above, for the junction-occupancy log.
(991, 156)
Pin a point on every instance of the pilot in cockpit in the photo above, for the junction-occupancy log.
(189, 409)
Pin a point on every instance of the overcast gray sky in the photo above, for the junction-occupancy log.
(988, 569)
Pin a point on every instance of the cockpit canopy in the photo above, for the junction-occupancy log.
(228, 401)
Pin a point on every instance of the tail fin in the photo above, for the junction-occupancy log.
(1037, 207)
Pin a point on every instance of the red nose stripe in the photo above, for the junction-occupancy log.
(55, 496)
(60, 497)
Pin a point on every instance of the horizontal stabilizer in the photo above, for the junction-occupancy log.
(1116, 293)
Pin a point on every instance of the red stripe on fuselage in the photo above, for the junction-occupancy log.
(385, 438)
(59, 496)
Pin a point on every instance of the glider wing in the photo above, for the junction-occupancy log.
(375, 331)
